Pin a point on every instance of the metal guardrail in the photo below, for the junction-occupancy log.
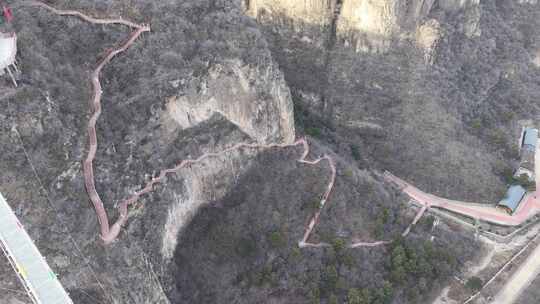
(39, 281)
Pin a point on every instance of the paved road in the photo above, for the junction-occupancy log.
(487, 213)
(520, 280)
(530, 269)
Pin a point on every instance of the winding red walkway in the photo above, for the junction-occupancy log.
(110, 233)
(488, 213)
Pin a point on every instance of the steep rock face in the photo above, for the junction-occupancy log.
(372, 25)
(428, 36)
(457, 4)
(205, 183)
(314, 12)
(536, 59)
(369, 25)
(253, 98)
(366, 25)
(415, 100)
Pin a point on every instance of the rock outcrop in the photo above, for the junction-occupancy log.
(314, 12)
(372, 25)
(428, 36)
(369, 26)
(366, 25)
(205, 183)
(255, 98)
(536, 59)
(453, 5)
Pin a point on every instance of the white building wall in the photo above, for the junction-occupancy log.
(8, 49)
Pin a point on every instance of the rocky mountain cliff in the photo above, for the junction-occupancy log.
(371, 25)
(202, 81)
(431, 90)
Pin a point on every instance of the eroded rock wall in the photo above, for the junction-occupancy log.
(366, 25)
(204, 183)
(315, 12)
(255, 98)
(372, 25)
(457, 4)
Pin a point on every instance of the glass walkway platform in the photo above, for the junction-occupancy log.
(38, 279)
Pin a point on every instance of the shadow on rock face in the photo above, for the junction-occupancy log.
(243, 248)
(257, 225)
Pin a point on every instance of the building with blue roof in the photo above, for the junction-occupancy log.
(512, 199)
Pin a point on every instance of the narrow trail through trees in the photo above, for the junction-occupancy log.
(108, 232)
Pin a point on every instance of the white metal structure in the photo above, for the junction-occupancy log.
(8, 53)
(38, 279)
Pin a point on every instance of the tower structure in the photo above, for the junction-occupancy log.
(8, 44)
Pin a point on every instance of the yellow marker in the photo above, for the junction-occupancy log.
(21, 270)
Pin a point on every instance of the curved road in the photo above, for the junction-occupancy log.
(529, 269)
(528, 208)
(108, 233)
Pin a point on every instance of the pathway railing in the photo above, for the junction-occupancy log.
(38, 279)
